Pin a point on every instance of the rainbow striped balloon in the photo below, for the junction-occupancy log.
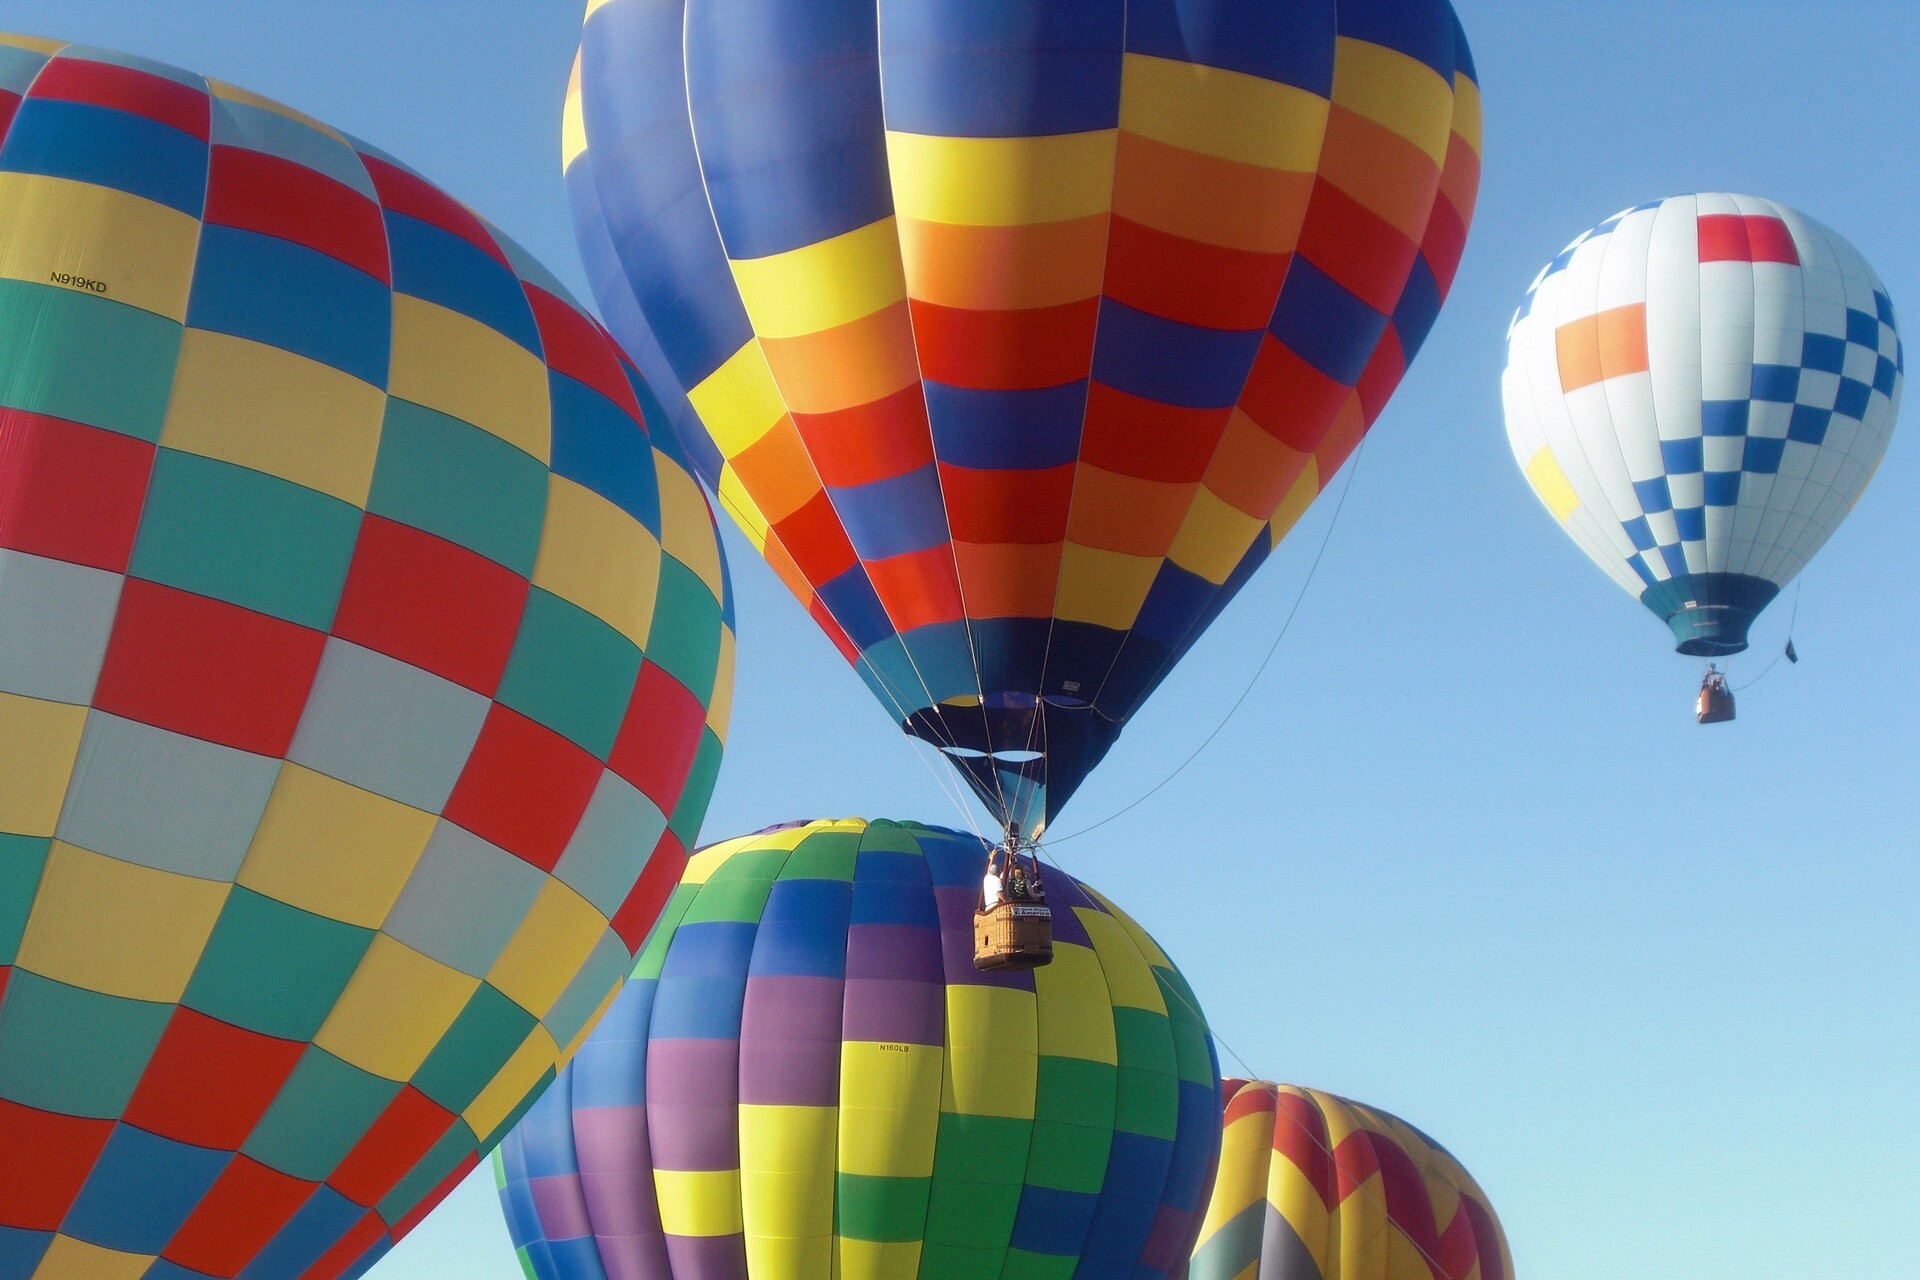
(1314, 1187)
(364, 665)
(806, 1078)
(1015, 335)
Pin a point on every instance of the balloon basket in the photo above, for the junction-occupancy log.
(1013, 935)
(1716, 702)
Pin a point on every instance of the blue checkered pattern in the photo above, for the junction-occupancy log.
(1788, 417)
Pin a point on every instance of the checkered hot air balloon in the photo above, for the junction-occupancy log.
(807, 1078)
(365, 653)
(1699, 389)
(1314, 1187)
(1015, 335)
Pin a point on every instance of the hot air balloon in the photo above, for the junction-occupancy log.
(806, 1077)
(364, 660)
(1010, 333)
(1698, 390)
(1314, 1187)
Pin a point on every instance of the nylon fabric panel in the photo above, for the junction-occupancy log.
(224, 627)
(883, 1108)
(1292, 426)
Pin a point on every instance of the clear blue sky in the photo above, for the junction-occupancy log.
(1463, 853)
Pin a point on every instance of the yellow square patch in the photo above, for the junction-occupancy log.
(1213, 537)
(333, 849)
(878, 1259)
(70, 1259)
(38, 743)
(786, 1170)
(698, 1203)
(394, 1011)
(822, 285)
(1105, 588)
(993, 1046)
(720, 705)
(738, 402)
(546, 952)
(889, 1108)
(325, 432)
(1076, 1016)
(82, 235)
(462, 368)
(1130, 983)
(536, 1056)
(686, 525)
(597, 556)
(117, 927)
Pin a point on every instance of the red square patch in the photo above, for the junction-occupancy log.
(866, 442)
(575, 346)
(658, 737)
(209, 1083)
(524, 788)
(1133, 436)
(404, 1133)
(207, 668)
(70, 492)
(816, 542)
(1290, 399)
(918, 588)
(402, 192)
(276, 197)
(44, 1160)
(658, 879)
(432, 604)
(140, 93)
(1358, 250)
(1771, 241)
(1731, 237)
(240, 1213)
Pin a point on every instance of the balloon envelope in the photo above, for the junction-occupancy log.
(1011, 333)
(807, 1078)
(1698, 390)
(363, 666)
(1314, 1187)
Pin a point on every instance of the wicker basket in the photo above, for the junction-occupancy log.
(1716, 705)
(1013, 935)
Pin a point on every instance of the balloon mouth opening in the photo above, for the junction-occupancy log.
(1002, 757)
(1703, 647)
(1711, 631)
(1709, 613)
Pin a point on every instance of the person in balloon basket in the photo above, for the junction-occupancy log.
(1015, 883)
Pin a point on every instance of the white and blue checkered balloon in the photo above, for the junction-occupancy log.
(1699, 389)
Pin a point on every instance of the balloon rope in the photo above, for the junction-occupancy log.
(1783, 652)
(1372, 1188)
(1272, 649)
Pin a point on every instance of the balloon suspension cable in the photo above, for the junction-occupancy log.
(1285, 625)
(1371, 1187)
(1784, 649)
